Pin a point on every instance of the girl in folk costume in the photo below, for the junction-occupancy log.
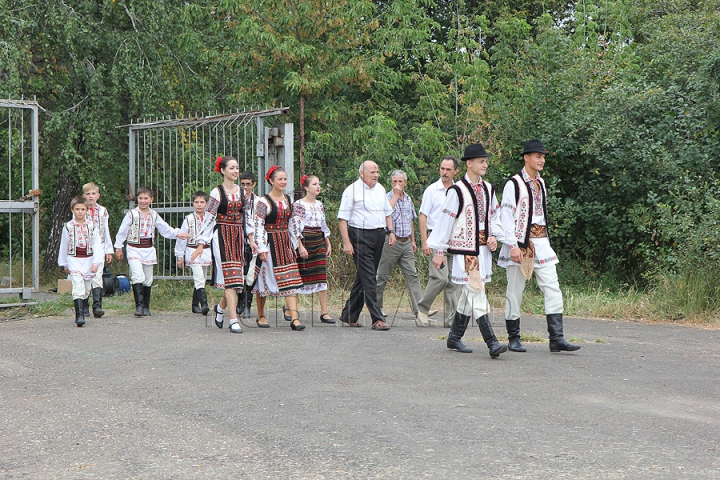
(192, 252)
(81, 254)
(224, 224)
(468, 228)
(138, 228)
(277, 270)
(313, 240)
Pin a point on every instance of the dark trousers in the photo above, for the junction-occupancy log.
(368, 246)
(247, 296)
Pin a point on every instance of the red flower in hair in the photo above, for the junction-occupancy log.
(270, 171)
(303, 179)
(218, 161)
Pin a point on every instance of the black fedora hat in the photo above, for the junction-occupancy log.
(532, 146)
(475, 150)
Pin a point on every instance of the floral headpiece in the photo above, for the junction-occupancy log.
(303, 179)
(218, 161)
(270, 171)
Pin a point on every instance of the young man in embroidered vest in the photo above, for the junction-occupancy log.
(138, 228)
(433, 200)
(526, 249)
(98, 215)
(192, 252)
(80, 255)
(467, 229)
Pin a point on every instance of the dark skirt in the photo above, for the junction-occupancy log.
(313, 269)
(228, 256)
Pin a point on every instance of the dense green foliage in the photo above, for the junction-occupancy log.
(624, 94)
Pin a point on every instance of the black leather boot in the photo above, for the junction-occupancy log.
(495, 347)
(86, 306)
(196, 301)
(557, 339)
(146, 301)
(97, 294)
(513, 329)
(202, 298)
(79, 313)
(138, 294)
(240, 302)
(457, 330)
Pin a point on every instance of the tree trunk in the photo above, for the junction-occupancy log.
(302, 136)
(67, 188)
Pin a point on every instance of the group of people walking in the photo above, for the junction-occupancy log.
(272, 246)
(461, 224)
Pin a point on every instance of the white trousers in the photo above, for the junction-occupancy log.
(140, 273)
(472, 303)
(97, 282)
(80, 287)
(547, 280)
(198, 273)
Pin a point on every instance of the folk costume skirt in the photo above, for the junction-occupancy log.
(313, 269)
(279, 275)
(228, 256)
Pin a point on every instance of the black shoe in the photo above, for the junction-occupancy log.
(495, 348)
(296, 326)
(287, 317)
(97, 294)
(79, 314)
(557, 339)
(326, 318)
(513, 329)
(262, 325)
(146, 301)
(457, 330)
(137, 289)
(246, 312)
(195, 302)
(202, 298)
(219, 320)
(240, 303)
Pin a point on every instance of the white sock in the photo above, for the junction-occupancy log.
(220, 310)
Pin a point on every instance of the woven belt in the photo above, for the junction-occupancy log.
(538, 231)
(81, 253)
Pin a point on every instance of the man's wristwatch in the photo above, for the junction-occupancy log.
(388, 231)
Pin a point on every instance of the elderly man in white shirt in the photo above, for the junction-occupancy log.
(364, 218)
(431, 208)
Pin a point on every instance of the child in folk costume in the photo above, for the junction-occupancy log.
(468, 228)
(192, 252)
(80, 255)
(248, 183)
(138, 229)
(277, 270)
(226, 221)
(313, 240)
(98, 215)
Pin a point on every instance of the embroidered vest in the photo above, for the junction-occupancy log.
(101, 223)
(71, 228)
(524, 208)
(134, 233)
(230, 213)
(194, 229)
(465, 238)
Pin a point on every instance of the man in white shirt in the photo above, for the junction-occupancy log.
(431, 207)
(364, 218)
(526, 249)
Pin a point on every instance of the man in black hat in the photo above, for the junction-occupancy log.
(467, 229)
(526, 249)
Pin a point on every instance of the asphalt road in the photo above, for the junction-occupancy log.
(169, 397)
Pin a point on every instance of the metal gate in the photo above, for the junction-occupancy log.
(176, 157)
(19, 198)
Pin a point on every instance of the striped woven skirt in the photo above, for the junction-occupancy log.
(313, 269)
(228, 256)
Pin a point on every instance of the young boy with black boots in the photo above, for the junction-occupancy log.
(193, 252)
